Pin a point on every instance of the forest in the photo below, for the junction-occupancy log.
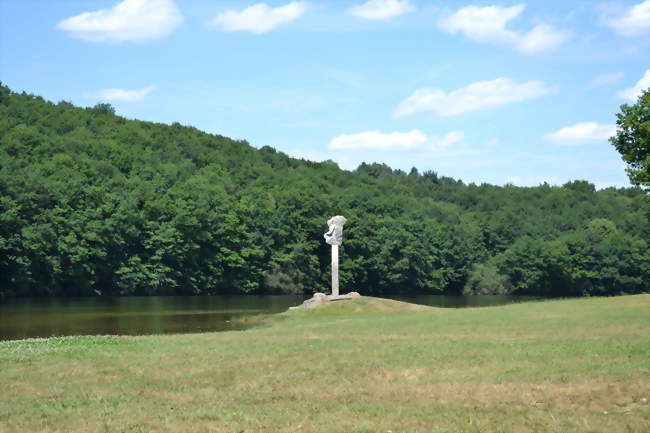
(94, 204)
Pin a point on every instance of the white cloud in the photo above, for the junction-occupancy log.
(122, 95)
(259, 18)
(381, 9)
(632, 93)
(483, 24)
(604, 79)
(413, 140)
(488, 25)
(397, 149)
(477, 96)
(130, 20)
(635, 22)
(583, 132)
(541, 38)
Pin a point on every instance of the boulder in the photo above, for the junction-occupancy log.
(315, 301)
(321, 298)
(338, 298)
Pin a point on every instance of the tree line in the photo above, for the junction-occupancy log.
(93, 203)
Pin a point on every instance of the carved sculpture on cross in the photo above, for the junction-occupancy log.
(334, 237)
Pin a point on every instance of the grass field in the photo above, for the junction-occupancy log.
(367, 365)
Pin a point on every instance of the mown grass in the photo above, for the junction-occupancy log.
(367, 365)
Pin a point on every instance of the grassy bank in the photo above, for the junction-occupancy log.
(367, 365)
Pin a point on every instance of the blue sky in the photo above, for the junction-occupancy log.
(484, 91)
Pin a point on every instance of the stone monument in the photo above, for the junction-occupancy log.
(334, 237)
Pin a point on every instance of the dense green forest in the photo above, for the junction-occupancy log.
(92, 203)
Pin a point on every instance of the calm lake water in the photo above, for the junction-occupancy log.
(27, 318)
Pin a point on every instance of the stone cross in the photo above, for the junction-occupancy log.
(334, 237)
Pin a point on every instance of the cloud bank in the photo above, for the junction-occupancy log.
(477, 96)
(121, 95)
(376, 140)
(632, 93)
(488, 25)
(128, 21)
(604, 79)
(259, 18)
(581, 133)
(381, 9)
(634, 22)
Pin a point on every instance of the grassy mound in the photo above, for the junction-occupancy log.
(365, 304)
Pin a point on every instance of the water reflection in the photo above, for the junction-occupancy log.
(43, 317)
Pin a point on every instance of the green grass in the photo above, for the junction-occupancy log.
(367, 365)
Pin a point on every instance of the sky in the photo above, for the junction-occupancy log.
(483, 91)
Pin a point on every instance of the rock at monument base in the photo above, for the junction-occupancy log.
(321, 298)
(338, 298)
(315, 301)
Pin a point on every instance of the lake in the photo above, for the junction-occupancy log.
(46, 317)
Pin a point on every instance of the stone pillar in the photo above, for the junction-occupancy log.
(335, 270)
(334, 237)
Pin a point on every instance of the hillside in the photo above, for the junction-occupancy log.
(93, 203)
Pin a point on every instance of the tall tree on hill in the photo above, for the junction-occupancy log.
(632, 138)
